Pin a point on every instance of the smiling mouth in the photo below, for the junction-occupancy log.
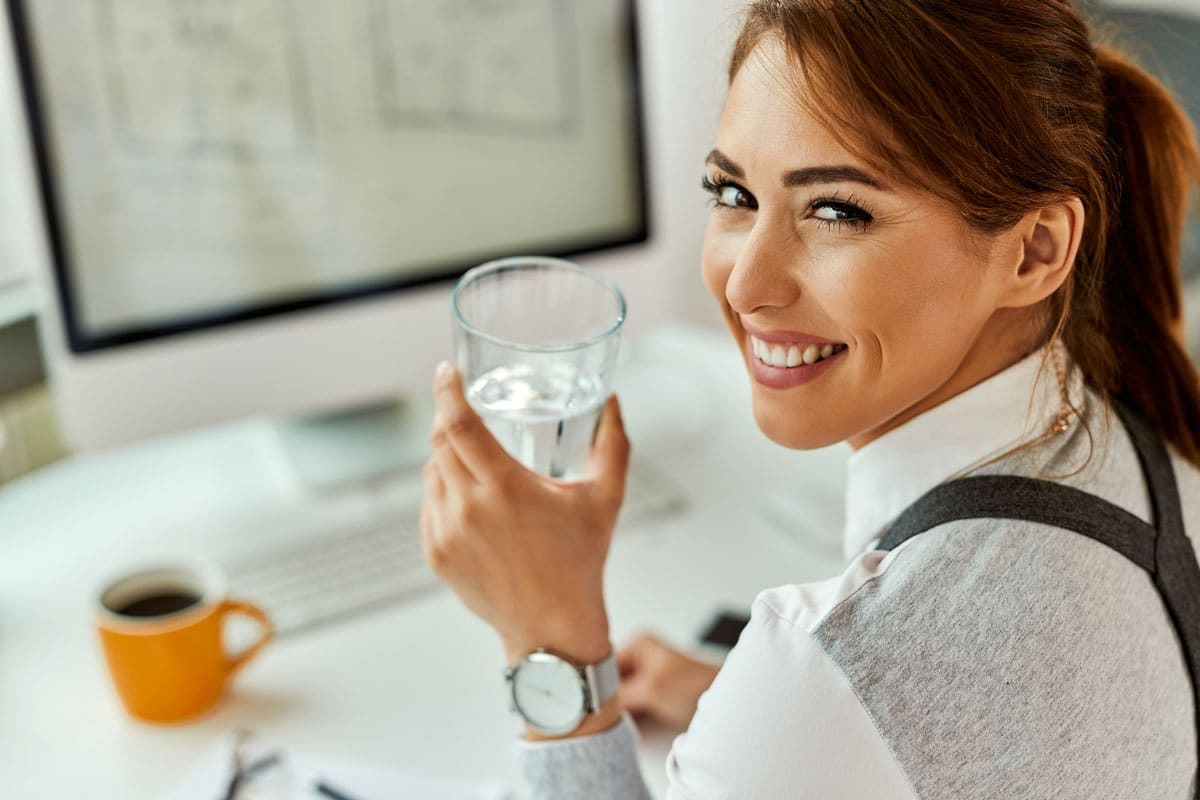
(788, 356)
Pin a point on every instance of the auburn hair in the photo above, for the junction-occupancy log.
(1005, 108)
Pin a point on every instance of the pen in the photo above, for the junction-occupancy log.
(328, 791)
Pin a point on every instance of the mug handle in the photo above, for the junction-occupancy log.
(235, 663)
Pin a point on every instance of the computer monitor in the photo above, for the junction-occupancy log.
(259, 206)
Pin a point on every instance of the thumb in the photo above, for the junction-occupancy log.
(610, 453)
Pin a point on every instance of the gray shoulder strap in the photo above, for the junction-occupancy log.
(1030, 500)
(1163, 550)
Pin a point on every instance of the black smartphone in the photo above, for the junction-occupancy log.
(725, 629)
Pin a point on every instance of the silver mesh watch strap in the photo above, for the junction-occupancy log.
(602, 680)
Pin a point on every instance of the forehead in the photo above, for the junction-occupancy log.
(765, 121)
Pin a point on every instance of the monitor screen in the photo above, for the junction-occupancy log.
(205, 162)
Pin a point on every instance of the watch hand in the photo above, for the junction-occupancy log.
(550, 694)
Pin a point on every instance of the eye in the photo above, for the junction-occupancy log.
(837, 213)
(727, 194)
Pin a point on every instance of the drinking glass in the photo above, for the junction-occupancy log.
(536, 340)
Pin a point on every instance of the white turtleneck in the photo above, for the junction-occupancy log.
(887, 475)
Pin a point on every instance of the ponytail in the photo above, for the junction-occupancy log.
(1156, 168)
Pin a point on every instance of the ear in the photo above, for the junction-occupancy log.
(1049, 242)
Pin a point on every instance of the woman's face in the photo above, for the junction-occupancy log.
(816, 257)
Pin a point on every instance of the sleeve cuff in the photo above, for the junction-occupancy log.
(596, 767)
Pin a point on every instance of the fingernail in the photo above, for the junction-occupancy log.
(443, 370)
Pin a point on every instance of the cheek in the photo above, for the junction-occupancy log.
(908, 297)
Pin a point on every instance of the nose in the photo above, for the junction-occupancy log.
(764, 273)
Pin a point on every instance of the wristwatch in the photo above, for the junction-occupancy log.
(554, 695)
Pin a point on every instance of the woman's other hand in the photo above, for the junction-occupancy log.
(524, 552)
(661, 683)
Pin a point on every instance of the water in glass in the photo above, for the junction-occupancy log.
(545, 416)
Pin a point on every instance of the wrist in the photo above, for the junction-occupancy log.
(578, 640)
(577, 649)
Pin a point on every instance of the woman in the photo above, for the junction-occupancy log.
(946, 232)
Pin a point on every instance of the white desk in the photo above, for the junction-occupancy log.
(414, 686)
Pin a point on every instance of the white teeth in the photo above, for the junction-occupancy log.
(788, 356)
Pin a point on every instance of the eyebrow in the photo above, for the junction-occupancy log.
(804, 177)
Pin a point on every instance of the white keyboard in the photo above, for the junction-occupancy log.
(317, 579)
(332, 575)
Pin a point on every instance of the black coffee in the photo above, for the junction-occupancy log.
(155, 605)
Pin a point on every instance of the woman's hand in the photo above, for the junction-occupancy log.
(524, 552)
(661, 683)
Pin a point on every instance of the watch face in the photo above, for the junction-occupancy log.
(549, 693)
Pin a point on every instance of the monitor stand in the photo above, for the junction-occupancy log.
(348, 449)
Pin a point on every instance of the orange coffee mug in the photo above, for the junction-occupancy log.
(162, 633)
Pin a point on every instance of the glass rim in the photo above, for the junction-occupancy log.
(516, 262)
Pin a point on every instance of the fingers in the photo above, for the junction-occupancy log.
(435, 487)
(431, 523)
(453, 474)
(659, 682)
(427, 532)
(632, 652)
(635, 697)
(459, 426)
(637, 693)
(610, 454)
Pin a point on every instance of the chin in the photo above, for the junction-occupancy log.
(786, 423)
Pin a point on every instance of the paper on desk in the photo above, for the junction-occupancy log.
(292, 779)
